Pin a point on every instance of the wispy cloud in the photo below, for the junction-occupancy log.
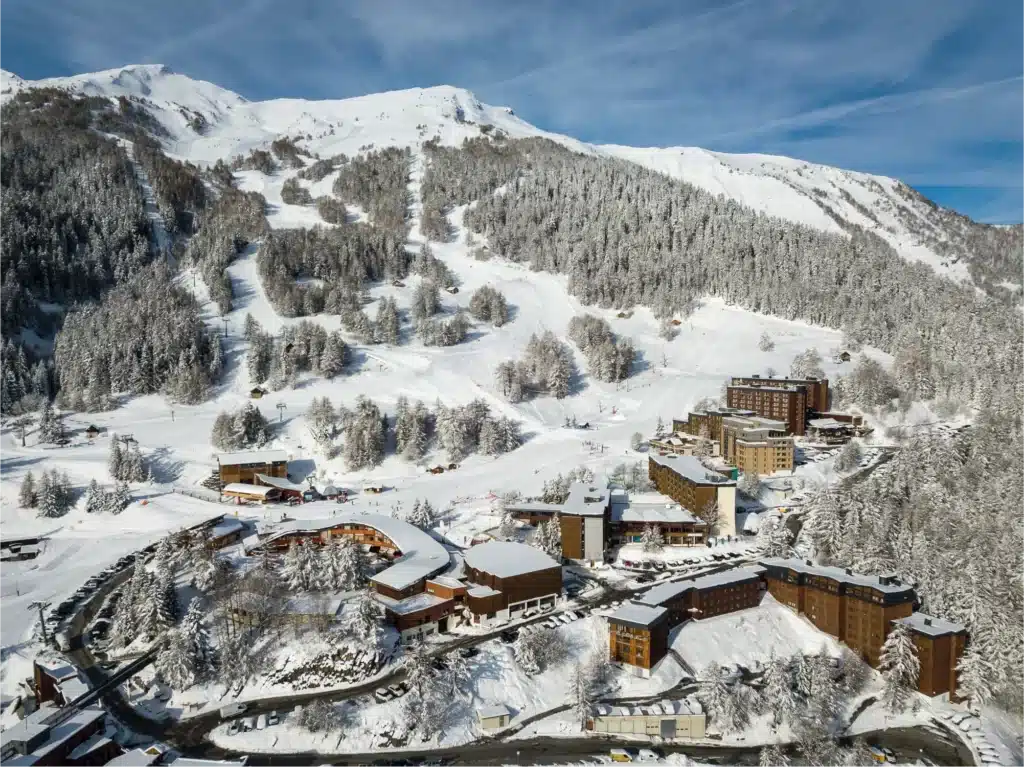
(920, 89)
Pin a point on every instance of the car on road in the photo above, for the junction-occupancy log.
(882, 755)
(620, 755)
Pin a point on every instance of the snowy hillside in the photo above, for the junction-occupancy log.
(205, 123)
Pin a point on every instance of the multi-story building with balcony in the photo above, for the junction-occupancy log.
(685, 480)
(756, 445)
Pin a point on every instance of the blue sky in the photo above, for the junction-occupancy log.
(929, 91)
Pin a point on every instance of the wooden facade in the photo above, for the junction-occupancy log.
(940, 644)
(682, 490)
(637, 645)
(518, 588)
(816, 388)
(842, 604)
(246, 472)
(672, 533)
(781, 404)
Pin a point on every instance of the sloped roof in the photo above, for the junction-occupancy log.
(691, 468)
(251, 456)
(241, 487)
(638, 614)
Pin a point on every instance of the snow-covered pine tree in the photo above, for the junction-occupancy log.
(651, 540)
(899, 666)
(120, 498)
(94, 500)
(766, 344)
(580, 698)
(50, 504)
(772, 756)
(525, 652)
(713, 692)
(777, 690)
(368, 621)
(27, 495)
(974, 672)
(291, 568)
(174, 662)
(350, 564)
(115, 460)
(849, 456)
(749, 484)
(197, 639)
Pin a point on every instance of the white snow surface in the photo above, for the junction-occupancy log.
(749, 637)
(783, 187)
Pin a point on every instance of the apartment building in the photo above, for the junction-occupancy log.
(630, 516)
(756, 445)
(505, 579)
(583, 520)
(940, 643)
(708, 420)
(689, 483)
(638, 637)
(856, 609)
(780, 403)
(816, 388)
(638, 631)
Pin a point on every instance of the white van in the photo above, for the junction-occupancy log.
(232, 709)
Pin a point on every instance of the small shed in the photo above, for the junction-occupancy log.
(452, 289)
(258, 493)
(92, 432)
(257, 392)
(494, 717)
(844, 356)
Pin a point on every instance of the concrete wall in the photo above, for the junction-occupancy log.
(593, 543)
(727, 510)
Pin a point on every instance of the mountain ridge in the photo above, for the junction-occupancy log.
(206, 123)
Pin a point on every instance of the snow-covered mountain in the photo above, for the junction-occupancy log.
(205, 123)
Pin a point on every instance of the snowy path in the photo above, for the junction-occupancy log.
(156, 221)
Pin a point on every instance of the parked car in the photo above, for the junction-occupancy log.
(250, 724)
(273, 718)
(234, 727)
(620, 755)
(395, 690)
(382, 695)
(232, 709)
(261, 722)
(658, 565)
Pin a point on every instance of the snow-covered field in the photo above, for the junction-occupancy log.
(749, 637)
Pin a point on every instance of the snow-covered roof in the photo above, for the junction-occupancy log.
(504, 559)
(482, 592)
(826, 423)
(638, 614)
(73, 688)
(585, 499)
(281, 483)
(877, 582)
(930, 625)
(765, 388)
(444, 580)
(652, 513)
(60, 733)
(225, 527)
(661, 708)
(666, 592)
(411, 604)
(422, 556)
(315, 603)
(251, 456)
(96, 741)
(691, 468)
(492, 710)
(242, 488)
(137, 757)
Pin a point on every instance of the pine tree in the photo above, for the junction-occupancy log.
(121, 497)
(766, 344)
(974, 672)
(292, 568)
(525, 651)
(777, 690)
(772, 756)
(579, 695)
(652, 540)
(899, 666)
(27, 496)
(93, 497)
(349, 565)
(50, 497)
(197, 638)
(368, 621)
(174, 663)
(115, 461)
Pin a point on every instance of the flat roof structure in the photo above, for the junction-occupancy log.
(492, 710)
(240, 488)
(411, 604)
(504, 559)
(884, 584)
(584, 500)
(422, 555)
(653, 513)
(691, 468)
(636, 614)
(666, 592)
(281, 483)
(246, 457)
(930, 625)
